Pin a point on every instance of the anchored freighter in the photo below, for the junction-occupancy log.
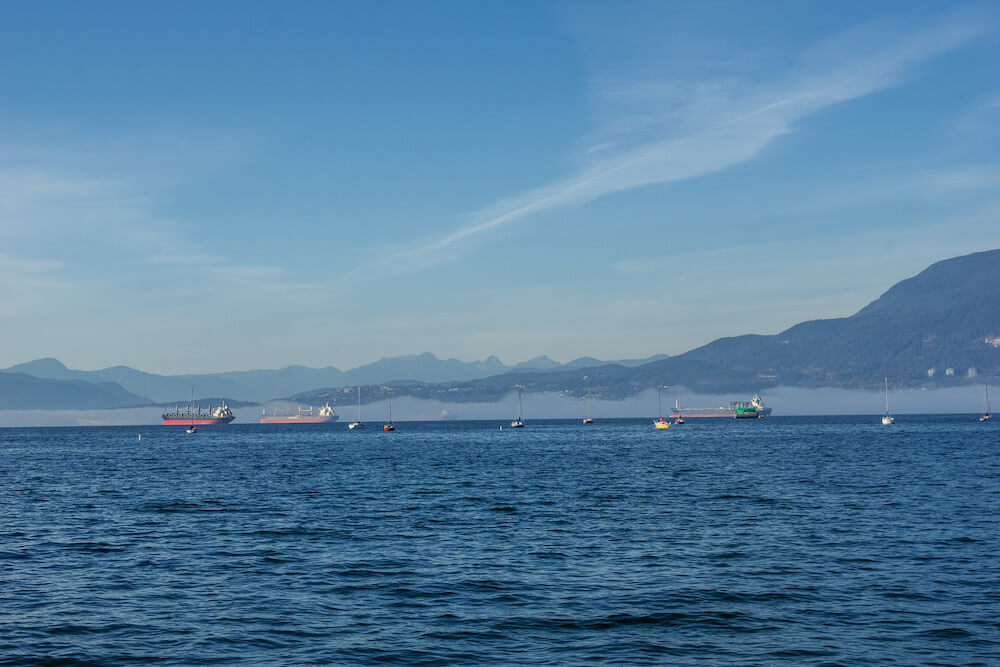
(220, 415)
(752, 409)
(326, 415)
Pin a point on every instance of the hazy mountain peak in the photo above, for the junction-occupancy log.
(541, 362)
(42, 364)
(46, 367)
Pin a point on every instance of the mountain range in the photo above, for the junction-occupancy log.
(138, 387)
(936, 329)
(19, 391)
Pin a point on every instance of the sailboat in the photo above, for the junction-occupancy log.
(518, 423)
(389, 425)
(677, 409)
(888, 419)
(192, 428)
(357, 424)
(661, 422)
(988, 417)
(588, 419)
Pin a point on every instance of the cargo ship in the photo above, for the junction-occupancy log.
(325, 415)
(752, 409)
(220, 415)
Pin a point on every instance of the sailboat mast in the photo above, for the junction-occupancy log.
(886, 396)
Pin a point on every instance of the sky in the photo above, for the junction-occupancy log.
(203, 187)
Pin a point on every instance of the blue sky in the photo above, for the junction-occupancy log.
(230, 185)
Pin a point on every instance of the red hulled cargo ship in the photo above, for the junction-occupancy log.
(220, 415)
(326, 415)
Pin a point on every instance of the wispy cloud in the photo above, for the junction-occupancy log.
(55, 223)
(723, 123)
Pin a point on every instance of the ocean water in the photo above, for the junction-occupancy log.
(799, 541)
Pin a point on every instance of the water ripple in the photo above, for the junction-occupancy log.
(790, 541)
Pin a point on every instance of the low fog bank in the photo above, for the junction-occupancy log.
(784, 401)
(788, 401)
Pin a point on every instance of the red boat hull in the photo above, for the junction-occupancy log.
(204, 421)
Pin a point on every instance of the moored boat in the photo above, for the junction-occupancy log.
(518, 423)
(389, 426)
(888, 419)
(661, 422)
(358, 424)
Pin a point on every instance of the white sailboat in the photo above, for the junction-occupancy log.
(518, 423)
(389, 426)
(192, 428)
(661, 422)
(988, 417)
(357, 424)
(588, 419)
(888, 419)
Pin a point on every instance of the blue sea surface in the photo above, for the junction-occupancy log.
(799, 541)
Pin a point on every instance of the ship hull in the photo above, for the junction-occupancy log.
(299, 420)
(197, 421)
(696, 413)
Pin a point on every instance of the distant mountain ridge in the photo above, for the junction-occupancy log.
(263, 385)
(19, 391)
(937, 329)
(946, 317)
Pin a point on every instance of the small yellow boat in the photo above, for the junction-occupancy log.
(661, 422)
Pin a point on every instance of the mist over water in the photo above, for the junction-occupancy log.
(784, 401)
